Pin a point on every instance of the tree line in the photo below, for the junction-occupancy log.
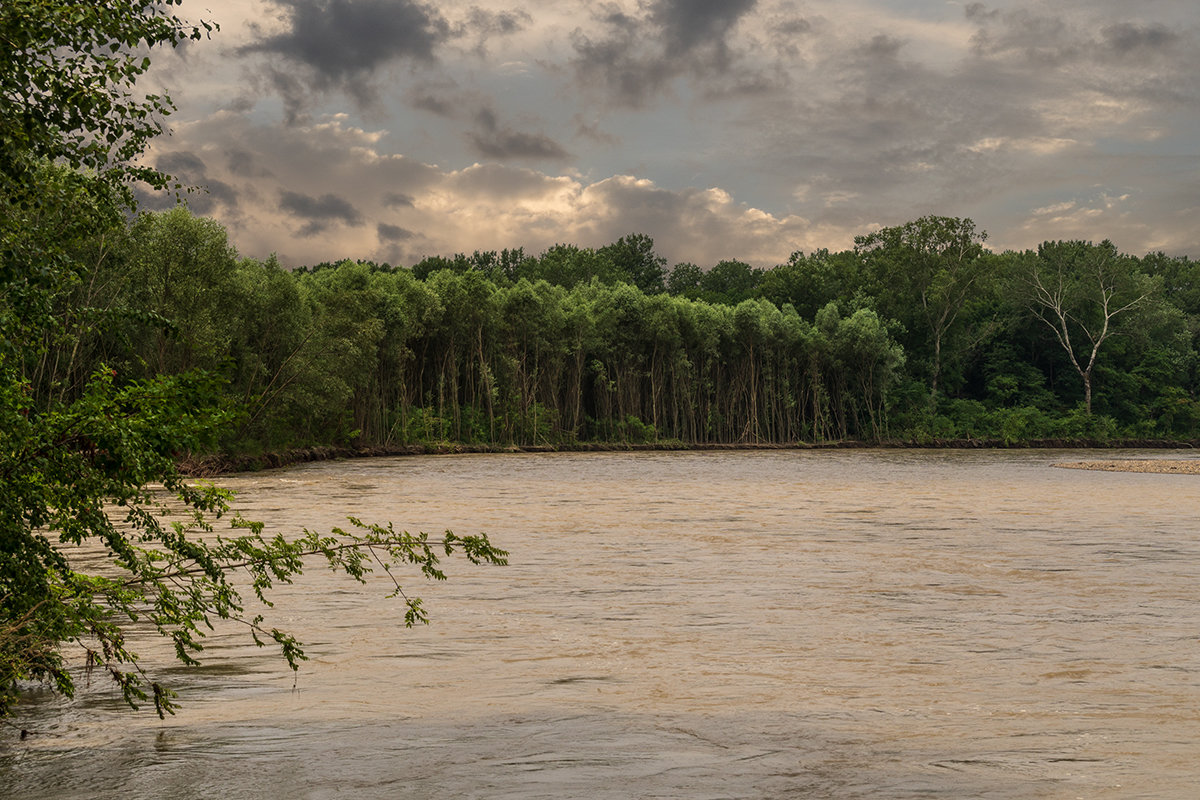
(919, 332)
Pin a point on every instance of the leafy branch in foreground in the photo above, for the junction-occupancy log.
(182, 590)
(100, 472)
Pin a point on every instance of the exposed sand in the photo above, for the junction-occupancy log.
(1188, 466)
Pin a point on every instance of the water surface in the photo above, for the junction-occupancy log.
(842, 624)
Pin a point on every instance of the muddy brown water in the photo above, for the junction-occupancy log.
(834, 624)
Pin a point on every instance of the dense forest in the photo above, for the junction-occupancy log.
(919, 333)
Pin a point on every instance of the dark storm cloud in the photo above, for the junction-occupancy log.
(244, 163)
(1127, 61)
(320, 212)
(482, 25)
(617, 65)
(240, 105)
(393, 233)
(892, 126)
(210, 192)
(636, 58)
(327, 207)
(493, 140)
(986, 108)
(688, 24)
(149, 200)
(1049, 39)
(293, 91)
(882, 46)
(508, 144)
(347, 39)
(980, 12)
(342, 44)
(183, 164)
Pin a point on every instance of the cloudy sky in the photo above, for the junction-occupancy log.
(395, 129)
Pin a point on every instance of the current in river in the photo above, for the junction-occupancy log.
(809, 624)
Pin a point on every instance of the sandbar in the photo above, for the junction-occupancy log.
(1181, 466)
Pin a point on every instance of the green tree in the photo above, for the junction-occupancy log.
(730, 282)
(568, 265)
(67, 224)
(810, 282)
(182, 268)
(926, 271)
(93, 466)
(635, 260)
(271, 353)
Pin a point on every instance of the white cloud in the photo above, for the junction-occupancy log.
(334, 168)
(1037, 145)
(1055, 209)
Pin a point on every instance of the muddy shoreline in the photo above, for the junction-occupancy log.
(209, 466)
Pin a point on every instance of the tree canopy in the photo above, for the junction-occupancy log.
(362, 355)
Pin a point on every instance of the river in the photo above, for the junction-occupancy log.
(812, 624)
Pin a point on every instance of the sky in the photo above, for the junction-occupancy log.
(391, 130)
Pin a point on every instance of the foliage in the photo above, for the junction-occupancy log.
(630, 259)
(636, 262)
(356, 353)
(113, 346)
(809, 283)
(109, 449)
(68, 83)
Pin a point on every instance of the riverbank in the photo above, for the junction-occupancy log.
(208, 466)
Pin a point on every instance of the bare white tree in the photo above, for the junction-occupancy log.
(1079, 290)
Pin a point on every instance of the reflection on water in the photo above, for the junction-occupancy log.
(864, 624)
